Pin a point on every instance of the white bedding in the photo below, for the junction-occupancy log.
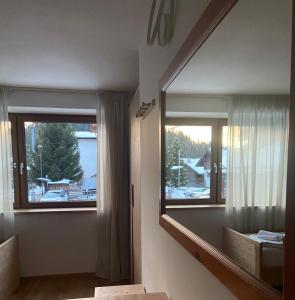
(259, 240)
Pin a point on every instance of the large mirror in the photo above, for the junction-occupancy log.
(225, 145)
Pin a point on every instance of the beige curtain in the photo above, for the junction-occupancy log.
(6, 179)
(257, 162)
(113, 206)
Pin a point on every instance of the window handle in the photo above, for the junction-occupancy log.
(215, 168)
(21, 168)
(132, 195)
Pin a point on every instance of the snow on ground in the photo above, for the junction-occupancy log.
(187, 193)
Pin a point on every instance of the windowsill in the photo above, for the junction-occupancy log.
(195, 206)
(55, 210)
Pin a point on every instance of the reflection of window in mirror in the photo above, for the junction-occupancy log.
(195, 170)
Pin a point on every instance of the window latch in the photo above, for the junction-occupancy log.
(132, 195)
(215, 168)
(21, 168)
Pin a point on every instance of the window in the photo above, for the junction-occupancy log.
(195, 161)
(54, 160)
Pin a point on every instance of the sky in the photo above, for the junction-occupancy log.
(196, 133)
(199, 133)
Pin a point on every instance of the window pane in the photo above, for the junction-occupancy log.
(224, 162)
(61, 161)
(188, 162)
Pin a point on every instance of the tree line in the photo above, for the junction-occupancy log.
(178, 147)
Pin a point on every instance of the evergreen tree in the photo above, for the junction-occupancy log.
(177, 142)
(189, 148)
(175, 171)
(60, 152)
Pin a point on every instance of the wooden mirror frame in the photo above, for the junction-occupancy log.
(240, 282)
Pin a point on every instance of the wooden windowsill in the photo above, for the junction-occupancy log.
(193, 206)
(55, 210)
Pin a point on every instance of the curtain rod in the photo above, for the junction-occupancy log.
(61, 90)
(54, 90)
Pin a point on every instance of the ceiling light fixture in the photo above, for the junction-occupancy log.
(163, 25)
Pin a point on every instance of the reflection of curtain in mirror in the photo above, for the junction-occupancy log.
(257, 162)
(6, 188)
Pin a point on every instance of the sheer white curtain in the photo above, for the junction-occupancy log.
(113, 206)
(6, 179)
(257, 162)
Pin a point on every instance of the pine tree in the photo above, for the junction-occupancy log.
(175, 171)
(188, 148)
(177, 142)
(60, 153)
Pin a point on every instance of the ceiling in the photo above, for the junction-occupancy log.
(75, 44)
(248, 53)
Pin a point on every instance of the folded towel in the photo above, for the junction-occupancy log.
(265, 232)
(270, 236)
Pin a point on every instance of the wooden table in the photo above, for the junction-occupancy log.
(119, 290)
(149, 296)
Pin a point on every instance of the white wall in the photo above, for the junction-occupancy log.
(166, 266)
(206, 222)
(56, 243)
(47, 98)
(195, 105)
(46, 101)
